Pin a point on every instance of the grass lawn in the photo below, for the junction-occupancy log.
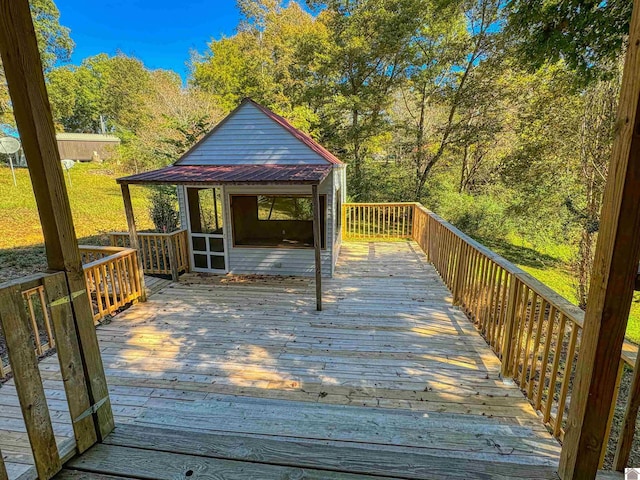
(96, 205)
(550, 265)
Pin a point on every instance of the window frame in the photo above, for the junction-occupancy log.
(323, 199)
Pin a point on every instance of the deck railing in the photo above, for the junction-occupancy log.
(112, 278)
(161, 253)
(533, 330)
(377, 220)
(28, 307)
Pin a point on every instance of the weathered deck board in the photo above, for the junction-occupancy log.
(389, 366)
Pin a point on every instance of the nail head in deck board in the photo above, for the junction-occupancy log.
(612, 282)
(70, 359)
(15, 325)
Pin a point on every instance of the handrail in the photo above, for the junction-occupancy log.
(533, 330)
(111, 277)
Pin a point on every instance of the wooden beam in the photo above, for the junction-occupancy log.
(317, 245)
(612, 282)
(133, 237)
(23, 71)
(70, 360)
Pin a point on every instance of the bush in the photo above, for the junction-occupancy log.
(163, 210)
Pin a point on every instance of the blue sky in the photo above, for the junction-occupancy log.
(161, 32)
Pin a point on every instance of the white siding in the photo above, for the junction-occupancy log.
(281, 261)
(251, 137)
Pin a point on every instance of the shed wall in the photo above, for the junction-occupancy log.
(83, 151)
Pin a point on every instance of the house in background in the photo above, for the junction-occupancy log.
(84, 147)
(245, 196)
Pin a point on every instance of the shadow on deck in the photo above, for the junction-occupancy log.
(241, 377)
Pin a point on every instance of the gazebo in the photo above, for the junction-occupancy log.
(257, 196)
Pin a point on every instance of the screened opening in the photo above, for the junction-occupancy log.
(205, 210)
(276, 220)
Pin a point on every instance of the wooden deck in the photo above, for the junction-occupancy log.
(241, 375)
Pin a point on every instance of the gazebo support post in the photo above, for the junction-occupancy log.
(133, 236)
(317, 245)
(615, 267)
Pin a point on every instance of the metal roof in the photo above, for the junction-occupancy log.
(232, 174)
(87, 137)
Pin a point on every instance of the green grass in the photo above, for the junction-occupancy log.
(551, 265)
(96, 206)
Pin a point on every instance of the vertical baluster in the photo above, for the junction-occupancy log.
(46, 319)
(545, 356)
(564, 389)
(34, 323)
(554, 370)
(527, 343)
(536, 346)
(522, 324)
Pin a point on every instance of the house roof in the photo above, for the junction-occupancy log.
(232, 175)
(87, 137)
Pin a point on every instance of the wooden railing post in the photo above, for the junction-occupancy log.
(509, 326)
(615, 267)
(173, 257)
(70, 360)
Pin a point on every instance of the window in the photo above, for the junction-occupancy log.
(275, 220)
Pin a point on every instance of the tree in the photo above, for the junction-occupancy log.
(54, 43)
(370, 51)
(268, 60)
(103, 89)
(483, 17)
(588, 35)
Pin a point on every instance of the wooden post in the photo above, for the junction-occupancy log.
(173, 257)
(3, 470)
(23, 71)
(317, 245)
(70, 360)
(509, 324)
(133, 237)
(612, 280)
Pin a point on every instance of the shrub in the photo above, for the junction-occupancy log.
(163, 210)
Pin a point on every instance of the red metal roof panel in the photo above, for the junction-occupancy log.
(232, 174)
